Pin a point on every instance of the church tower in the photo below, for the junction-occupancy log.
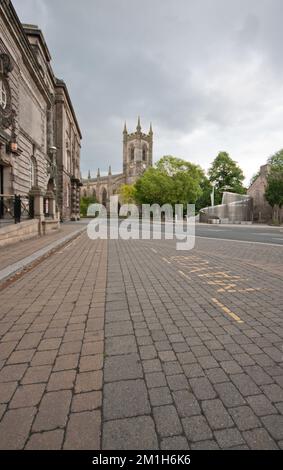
(137, 152)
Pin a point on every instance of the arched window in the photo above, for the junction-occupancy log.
(104, 197)
(144, 153)
(132, 154)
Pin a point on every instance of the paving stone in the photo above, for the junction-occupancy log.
(155, 379)
(125, 399)
(193, 370)
(259, 439)
(186, 403)
(88, 381)
(274, 425)
(120, 328)
(30, 341)
(186, 358)
(53, 411)
(274, 392)
(83, 431)
(216, 414)
(196, 429)
(148, 352)
(205, 445)
(178, 382)
(160, 396)
(258, 375)
(172, 368)
(229, 438)
(12, 373)
(50, 440)
(70, 361)
(15, 428)
(7, 391)
(167, 421)
(174, 443)
(27, 395)
(152, 365)
(130, 434)
(245, 384)
(90, 348)
(229, 394)
(42, 358)
(20, 357)
(37, 374)
(89, 363)
(118, 345)
(244, 418)
(231, 367)
(207, 362)
(87, 401)
(62, 380)
(202, 388)
(217, 375)
(122, 368)
(167, 356)
(261, 405)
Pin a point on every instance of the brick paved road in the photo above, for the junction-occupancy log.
(135, 345)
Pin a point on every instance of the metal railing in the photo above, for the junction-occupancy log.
(16, 208)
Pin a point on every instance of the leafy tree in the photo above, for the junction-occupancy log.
(276, 160)
(227, 175)
(127, 193)
(172, 181)
(85, 202)
(274, 189)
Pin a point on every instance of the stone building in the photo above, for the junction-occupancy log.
(262, 211)
(39, 133)
(137, 157)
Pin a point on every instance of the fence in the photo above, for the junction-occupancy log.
(16, 208)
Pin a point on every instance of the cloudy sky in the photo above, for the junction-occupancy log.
(207, 73)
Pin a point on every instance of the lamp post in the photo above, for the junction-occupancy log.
(213, 184)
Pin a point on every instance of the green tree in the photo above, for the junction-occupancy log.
(274, 189)
(227, 176)
(172, 181)
(127, 193)
(85, 202)
(204, 199)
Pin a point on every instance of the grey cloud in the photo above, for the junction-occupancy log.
(207, 73)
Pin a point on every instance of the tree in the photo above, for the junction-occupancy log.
(204, 199)
(172, 181)
(85, 202)
(227, 176)
(276, 160)
(127, 193)
(274, 189)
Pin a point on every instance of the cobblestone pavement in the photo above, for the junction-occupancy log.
(134, 345)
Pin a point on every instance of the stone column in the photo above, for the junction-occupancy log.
(51, 204)
(38, 206)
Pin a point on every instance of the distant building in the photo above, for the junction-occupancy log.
(40, 138)
(262, 211)
(137, 157)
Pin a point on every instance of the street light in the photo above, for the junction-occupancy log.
(213, 184)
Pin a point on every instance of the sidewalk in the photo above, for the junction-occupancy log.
(16, 257)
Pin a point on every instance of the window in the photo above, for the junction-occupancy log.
(68, 196)
(132, 154)
(144, 154)
(3, 95)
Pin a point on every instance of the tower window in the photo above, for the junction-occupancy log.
(132, 154)
(144, 153)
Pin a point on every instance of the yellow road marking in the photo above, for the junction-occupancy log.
(227, 310)
(183, 274)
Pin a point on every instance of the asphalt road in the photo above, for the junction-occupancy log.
(244, 233)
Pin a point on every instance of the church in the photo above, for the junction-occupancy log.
(137, 157)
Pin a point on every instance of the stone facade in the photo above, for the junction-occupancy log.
(262, 210)
(137, 157)
(39, 134)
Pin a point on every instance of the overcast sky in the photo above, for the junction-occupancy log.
(207, 73)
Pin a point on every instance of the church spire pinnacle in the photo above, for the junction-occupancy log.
(139, 125)
(125, 128)
(150, 129)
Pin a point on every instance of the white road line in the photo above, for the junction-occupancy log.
(154, 251)
(241, 241)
